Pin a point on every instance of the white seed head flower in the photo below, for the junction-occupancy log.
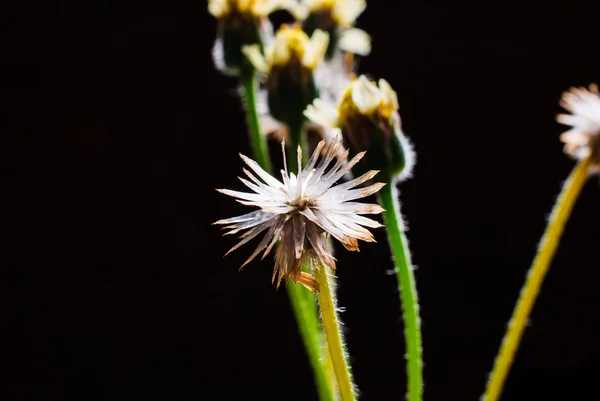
(367, 115)
(583, 139)
(302, 210)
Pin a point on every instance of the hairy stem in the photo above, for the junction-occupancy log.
(258, 141)
(305, 309)
(388, 198)
(535, 277)
(333, 335)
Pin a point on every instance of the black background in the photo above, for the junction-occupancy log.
(116, 130)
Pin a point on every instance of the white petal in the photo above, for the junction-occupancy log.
(243, 195)
(322, 113)
(338, 233)
(266, 7)
(298, 9)
(356, 182)
(268, 178)
(334, 175)
(576, 138)
(361, 192)
(347, 11)
(281, 52)
(315, 49)
(347, 224)
(263, 217)
(248, 235)
(353, 207)
(273, 192)
(257, 214)
(364, 221)
(365, 95)
(255, 57)
(218, 8)
(356, 41)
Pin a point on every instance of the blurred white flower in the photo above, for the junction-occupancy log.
(583, 139)
(336, 17)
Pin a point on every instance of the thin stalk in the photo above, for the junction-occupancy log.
(296, 138)
(258, 141)
(302, 300)
(388, 198)
(305, 309)
(333, 336)
(535, 277)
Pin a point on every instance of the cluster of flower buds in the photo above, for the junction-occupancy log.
(308, 74)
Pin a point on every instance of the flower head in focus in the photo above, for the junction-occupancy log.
(302, 210)
(583, 139)
(289, 62)
(367, 115)
(337, 17)
(240, 22)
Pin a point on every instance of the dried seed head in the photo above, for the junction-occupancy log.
(300, 211)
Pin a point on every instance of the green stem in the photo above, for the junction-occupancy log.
(296, 138)
(257, 139)
(305, 309)
(333, 335)
(388, 198)
(302, 300)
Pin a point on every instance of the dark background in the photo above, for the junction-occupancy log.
(116, 130)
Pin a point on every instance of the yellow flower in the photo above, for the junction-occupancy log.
(289, 62)
(362, 98)
(290, 46)
(367, 115)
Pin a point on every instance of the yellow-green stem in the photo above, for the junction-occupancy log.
(333, 335)
(302, 300)
(305, 309)
(388, 198)
(546, 250)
